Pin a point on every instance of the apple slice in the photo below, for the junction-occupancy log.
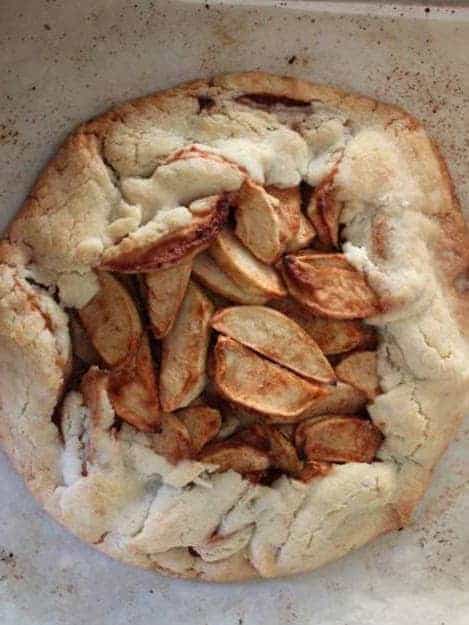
(184, 351)
(247, 379)
(305, 235)
(341, 399)
(112, 321)
(289, 208)
(360, 370)
(236, 456)
(259, 224)
(339, 439)
(274, 335)
(210, 275)
(165, 290)
(301, 229)
(282, 453)
(173, 235)
(202, 422)
(244, 268)
(333, 336)
(173, 440)
(324, 212)
(329, 288)
(313, 469)
(133, 389)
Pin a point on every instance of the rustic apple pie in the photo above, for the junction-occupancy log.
(233, 327)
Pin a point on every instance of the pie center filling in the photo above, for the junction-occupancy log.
(246, 348)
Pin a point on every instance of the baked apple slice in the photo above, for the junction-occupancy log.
(211, 276)
(235, 455)
(324, 211)
(333, 336)
(202, 422)
(274, 335)
(282, 452)
(259, 223)
(164, 291)
(341, 399)
(112, 322)
(289, 208)
(173, 235)
(244, 268)
(304, 236)
(133, 389)
(245, 378)
(301, 230)
(338, 439)
(184, 351)
(329, 287)
(173, 440)
(313, 469)
(360, 370)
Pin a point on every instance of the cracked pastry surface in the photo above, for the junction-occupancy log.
(164, 446)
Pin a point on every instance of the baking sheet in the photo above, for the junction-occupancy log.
(62, 62)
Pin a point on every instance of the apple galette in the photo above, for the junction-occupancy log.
(233, 327)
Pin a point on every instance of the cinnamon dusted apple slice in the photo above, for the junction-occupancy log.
(301, 229)
(329, 288)
(324, 211)
(341, 399)
(184, 351)
(202, 422)
(173, 440)
(244, 268)
(247, 379)
(338, 439)
(171, 236)
(165, 290)
(259, 223)
(289, 207)
(333, 336)
(305, 235)
(236, 456)
(112, 321)
(81, 342)
(210, 275)
(360, 370)
(133, 389)
(282, 453)
(313, 469)
(274, 335)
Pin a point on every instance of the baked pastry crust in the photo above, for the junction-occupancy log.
(404, 231)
